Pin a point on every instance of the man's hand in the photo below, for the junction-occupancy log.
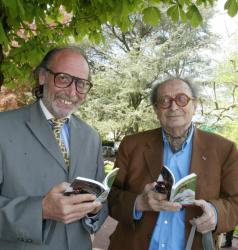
(150, 200)
(67, 209)
(207, 221)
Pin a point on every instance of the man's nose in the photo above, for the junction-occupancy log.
(174, 105)
(71, 89)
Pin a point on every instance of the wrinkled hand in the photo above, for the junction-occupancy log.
(150, 200)
(67, 209)
(207, 221)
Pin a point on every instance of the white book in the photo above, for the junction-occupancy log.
(182, 191)
(82, 185)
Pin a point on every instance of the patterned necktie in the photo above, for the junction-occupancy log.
(57, 125)
(176, 143)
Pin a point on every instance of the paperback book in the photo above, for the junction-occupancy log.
(82, 185)
(182, 191)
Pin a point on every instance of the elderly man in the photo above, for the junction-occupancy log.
(43, 147)
(146, 219)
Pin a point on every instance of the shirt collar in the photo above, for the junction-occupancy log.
(188, 139)
(46, 112)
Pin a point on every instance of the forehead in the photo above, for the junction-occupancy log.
(69, 61)
(173, 87)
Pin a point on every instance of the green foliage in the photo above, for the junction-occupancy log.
(220, 99)
(127, 65)
(108, 166)
(173, 12)
(3, 37)
(108, 143)
(194, 16)
(236, 231)
(45, 23)
(231, 6)
(230, 131)
(135, 50)
(205, 127)
(151, 15)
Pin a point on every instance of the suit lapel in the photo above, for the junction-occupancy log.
(41, 129)
(77, 137)
(154, 155)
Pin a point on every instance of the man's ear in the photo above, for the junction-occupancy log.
(155, 108)
(42, 76)
(195, 103)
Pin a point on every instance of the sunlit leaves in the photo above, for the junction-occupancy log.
(3, 37)
(123, 80)
(194, 16)
(232, 7)
(46, 23)
(151, 15)
(177, 13)
(173, 12)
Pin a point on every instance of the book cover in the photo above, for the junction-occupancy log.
(82, 185)
(183, 191)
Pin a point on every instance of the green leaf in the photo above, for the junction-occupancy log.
(182, 15)
(11, 7)
(3, 37)
(173, 13)
(181, 3)
(151, 15)
(194, 16)
(199, 2)
(187, 2)
(21, 9)
(231, 7)
(125, 9)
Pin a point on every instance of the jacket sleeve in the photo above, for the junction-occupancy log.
(93, 223)
(121, 202)
(21, 217)
(227, 204)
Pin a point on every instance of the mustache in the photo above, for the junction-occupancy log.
(65, 97)
(174, 113)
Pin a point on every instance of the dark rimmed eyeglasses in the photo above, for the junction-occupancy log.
(64, 80)
(180, 99)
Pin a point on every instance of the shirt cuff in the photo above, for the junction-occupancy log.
(136, 214)
(92, 223)
(215, 212)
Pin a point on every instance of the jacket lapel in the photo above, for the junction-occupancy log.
(77, 137)
(154, 155)
(199, 153)
(200, 159)
(41, 129)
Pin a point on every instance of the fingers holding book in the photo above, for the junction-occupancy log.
(151, 200)
(67, 209)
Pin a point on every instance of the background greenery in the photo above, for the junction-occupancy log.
(131, 44)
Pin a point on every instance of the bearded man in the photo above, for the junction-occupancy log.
(43, 147)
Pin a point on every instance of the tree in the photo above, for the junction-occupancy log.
(28, 27)
(219, 102)
(129, 62)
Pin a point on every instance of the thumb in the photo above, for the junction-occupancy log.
(60, 188)
(149, 186)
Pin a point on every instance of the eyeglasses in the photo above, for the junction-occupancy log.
(180, 99)
(64, 80)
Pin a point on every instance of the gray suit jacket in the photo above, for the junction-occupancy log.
(30, 165)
